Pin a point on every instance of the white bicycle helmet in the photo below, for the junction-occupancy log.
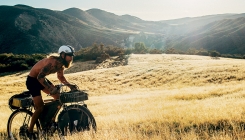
(67, 49)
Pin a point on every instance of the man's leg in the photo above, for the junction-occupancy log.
(38, 103)
(55, 96)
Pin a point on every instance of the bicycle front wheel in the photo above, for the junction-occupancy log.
(18, 124)
(76, 118)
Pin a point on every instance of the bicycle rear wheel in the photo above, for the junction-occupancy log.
(76, 118)
(18, 124)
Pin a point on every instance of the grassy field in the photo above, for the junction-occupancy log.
(156, 97)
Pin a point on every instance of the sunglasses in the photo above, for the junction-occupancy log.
(70, 54)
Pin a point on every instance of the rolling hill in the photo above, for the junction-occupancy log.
(225, 36)
(28, 30)
(160, 97)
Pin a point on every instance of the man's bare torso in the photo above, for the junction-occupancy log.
(45, 67)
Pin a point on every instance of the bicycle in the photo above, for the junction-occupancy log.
(68, 114)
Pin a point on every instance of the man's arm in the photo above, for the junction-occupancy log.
(41, 77)
(61, 77)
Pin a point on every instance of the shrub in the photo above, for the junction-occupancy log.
(4, 68)
(171, 51)
(18, 62)
(203, 53)
(92, 52)
(227, 55)
(128, 51)
(4, 57)
(155, 51)
(238, 56)
(19, 65)
(214, 53)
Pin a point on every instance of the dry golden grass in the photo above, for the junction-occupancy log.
(157, 97)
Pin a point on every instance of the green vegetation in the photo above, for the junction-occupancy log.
(141, 48)
(17, 62)
(94, 51)
(214, 54)
(203, 52)
(10, 62)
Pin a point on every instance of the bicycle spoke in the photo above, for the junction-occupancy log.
(18, 124)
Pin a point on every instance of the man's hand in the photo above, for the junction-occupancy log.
(54, 91)
(72, 87)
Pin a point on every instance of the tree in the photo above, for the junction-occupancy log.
(140, 48)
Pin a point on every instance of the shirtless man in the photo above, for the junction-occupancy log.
(36, 80)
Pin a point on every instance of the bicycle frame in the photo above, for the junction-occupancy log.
(52, 125)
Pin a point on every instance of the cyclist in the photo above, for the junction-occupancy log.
(37, 81)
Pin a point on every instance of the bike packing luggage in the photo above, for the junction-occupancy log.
(22, 100)
(49, 112)
(73, 96)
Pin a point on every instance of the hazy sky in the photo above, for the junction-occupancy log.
(154, 10)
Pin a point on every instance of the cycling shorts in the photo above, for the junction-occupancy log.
(34, 86)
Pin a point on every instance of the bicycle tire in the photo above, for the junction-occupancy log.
(17, 127)
(66, 121)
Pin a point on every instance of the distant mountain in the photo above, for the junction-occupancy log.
(100, 18)
(30, 30)
(107, 19)
(25, 29)
(185, 25)
(133, 19)
(226, 36)
(83, 16)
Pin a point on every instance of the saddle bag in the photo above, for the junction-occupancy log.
(22, 100)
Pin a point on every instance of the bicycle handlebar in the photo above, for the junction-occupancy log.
(60, 90)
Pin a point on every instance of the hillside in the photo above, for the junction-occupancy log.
(225, 36)
(187, 25)
(30, 30)
(156, 97)
(83, 16)
(155, 71)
